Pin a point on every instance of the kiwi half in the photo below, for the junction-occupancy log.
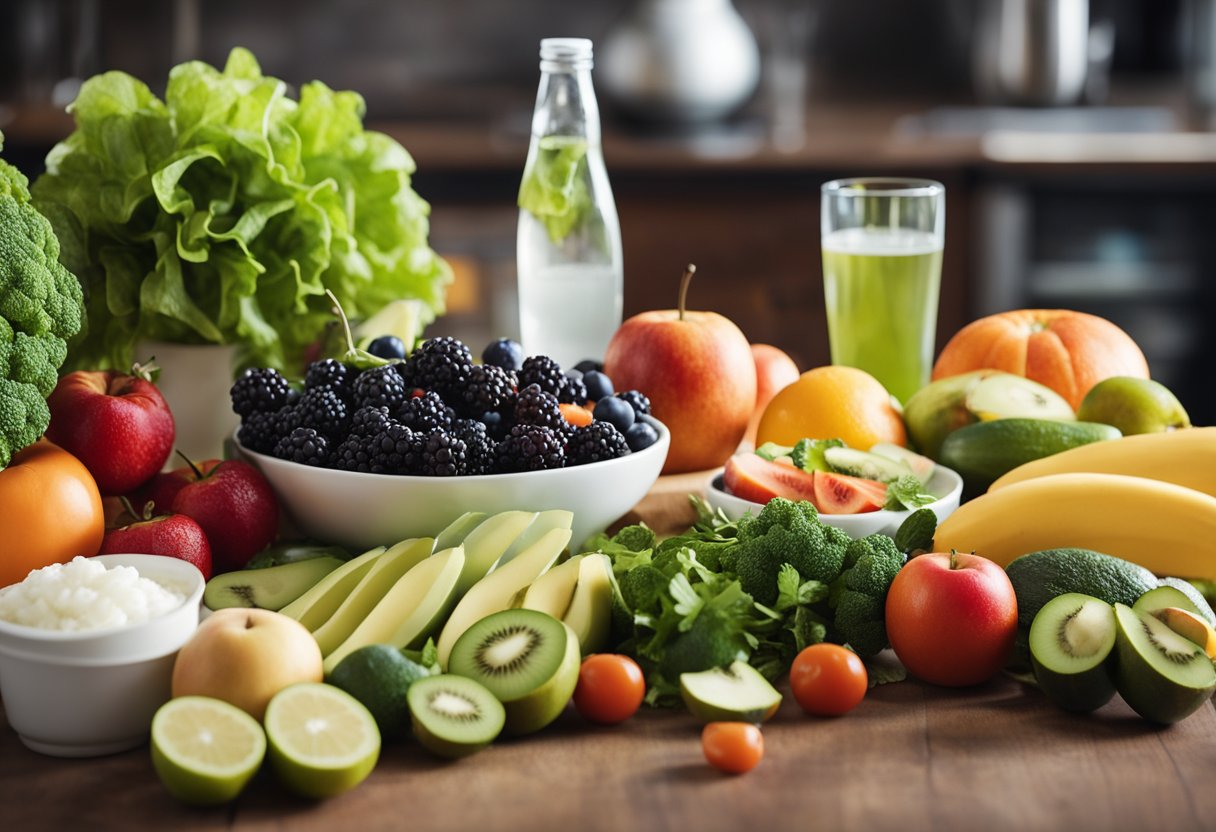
(528, 659)
(1161, 675)
(454, 716)
(268, 588)
(1071, 640)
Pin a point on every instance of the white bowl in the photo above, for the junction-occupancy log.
(945, 484)
(366, 510)
(83, 694)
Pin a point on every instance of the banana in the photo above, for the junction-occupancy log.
(1184, 457)
(1166, 528)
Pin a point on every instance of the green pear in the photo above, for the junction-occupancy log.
(1133, 405)
(948, 404)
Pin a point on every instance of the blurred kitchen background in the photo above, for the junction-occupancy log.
(1072, 137)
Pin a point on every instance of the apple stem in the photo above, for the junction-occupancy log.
(953, 559)
(689, 271)
(197, 473)
(148, 371)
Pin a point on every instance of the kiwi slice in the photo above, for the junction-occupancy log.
(1161, 675)
(268, 588)
(454, 716)
(528, 659)
(1071, 640)
(866, 465)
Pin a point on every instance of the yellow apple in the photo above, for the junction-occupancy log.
(246, 656)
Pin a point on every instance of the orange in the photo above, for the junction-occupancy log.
(833, 403)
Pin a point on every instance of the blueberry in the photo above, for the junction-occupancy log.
(599, 386)
(589, 364)
(615, 412)
(388, 347)
(640, 435)
(504, 353)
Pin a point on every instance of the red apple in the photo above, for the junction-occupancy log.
(775, 370)
(118, 425)
(697, 369)
(171, 535)
(163, 487)
(236, 508)
(952, 618)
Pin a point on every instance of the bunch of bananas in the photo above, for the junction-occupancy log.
(1149, 499)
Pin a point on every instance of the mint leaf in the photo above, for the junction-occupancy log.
(905, 493)
(808, 628)
(916, 532)
(788, 583)
(884, 669)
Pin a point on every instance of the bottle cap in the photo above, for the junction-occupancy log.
(557, 54)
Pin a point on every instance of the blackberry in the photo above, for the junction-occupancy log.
(259, 390)
(328, 372)
(258, 432)
(488, 388)
(368, 421)
(380, 387)
(504, 353)
(479, 448)
(305, 446)
(534, 406)
(440, 364)
(286, 419)
(443, 455)
(425, 413)
(530, 448)
(322, 408)
(595, 443)
(544, 372)
(354, 453)
(599, 386)
(394, 450)
(496, 425)
(637, 400)
(574, 391)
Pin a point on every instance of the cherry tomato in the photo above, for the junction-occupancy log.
(733, 747)
(828, 680)
(610, 688)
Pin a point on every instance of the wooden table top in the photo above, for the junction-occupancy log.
(911, 756)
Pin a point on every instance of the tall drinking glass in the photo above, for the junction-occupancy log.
(882, 245)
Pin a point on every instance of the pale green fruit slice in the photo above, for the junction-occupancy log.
(487, 543)
(458, 530)
(205, 750)
(323, 741)
(385, 572)
(551, 592)
(404, 318)
(314, 607)
(590, 612)
(545, 522)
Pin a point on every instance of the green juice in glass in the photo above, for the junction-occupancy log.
(881, 288)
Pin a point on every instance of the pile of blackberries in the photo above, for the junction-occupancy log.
(437, 413)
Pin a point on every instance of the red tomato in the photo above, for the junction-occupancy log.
(841, 494)
(828, 680)
(733, 747)
(610, 688)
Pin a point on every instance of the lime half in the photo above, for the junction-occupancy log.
(205, 750)
(322, 740)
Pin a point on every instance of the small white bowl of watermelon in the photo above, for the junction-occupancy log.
(858, 492)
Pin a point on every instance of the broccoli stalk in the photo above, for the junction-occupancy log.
(40, 308)
(871, 564)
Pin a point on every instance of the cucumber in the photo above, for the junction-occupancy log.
(1071, 641)
(921, 466)
(854, 463)
(1041, 576)
(986, 451)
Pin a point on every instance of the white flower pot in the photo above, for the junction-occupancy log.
(195, 380)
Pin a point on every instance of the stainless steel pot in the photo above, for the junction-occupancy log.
(1031, 52)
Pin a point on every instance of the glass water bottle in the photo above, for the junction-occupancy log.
(568, 247)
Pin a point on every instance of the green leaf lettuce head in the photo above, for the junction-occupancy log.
(40, 308)
(224, 212)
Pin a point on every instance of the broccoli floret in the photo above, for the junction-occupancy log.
(635, 538)
(40, 308)
(642, 586)
(785, 532)
(871, 565)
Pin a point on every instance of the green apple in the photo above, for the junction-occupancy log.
(951, 403)
(1133, 405)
